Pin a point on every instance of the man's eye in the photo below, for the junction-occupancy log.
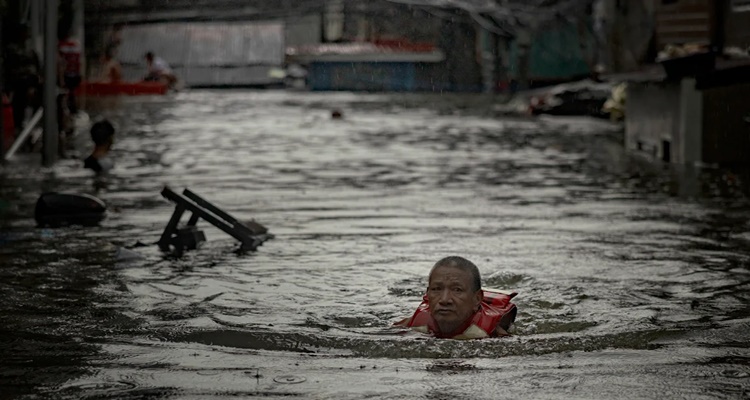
(457, 289)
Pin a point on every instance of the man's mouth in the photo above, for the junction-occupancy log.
(443, 312)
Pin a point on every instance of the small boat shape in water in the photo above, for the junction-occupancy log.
(121, 88)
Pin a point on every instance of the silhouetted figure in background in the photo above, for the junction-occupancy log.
(110, 67)
(103, 135)
(159, 70)
(111, 70)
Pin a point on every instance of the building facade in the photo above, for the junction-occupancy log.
(691, 107)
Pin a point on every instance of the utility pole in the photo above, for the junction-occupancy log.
(37, 30)
(79, 28)
(2, 100)
(51, 139)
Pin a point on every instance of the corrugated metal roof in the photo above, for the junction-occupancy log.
(202, 46)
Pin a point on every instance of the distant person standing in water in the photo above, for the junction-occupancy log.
(111, 68)
(103, 135)
(70, 51)
(159, 70)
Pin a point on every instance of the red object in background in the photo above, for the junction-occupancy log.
(70, 52)
(120, 88)
(9, 127)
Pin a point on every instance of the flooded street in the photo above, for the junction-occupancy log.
(633, 279)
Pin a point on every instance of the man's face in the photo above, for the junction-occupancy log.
(452, 300)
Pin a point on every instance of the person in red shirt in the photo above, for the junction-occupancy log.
(70, 53)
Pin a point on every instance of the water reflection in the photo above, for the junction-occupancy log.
(615, 260)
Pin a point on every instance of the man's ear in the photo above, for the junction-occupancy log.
(479, 296)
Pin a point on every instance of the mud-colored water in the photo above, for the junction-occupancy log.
(633, 278)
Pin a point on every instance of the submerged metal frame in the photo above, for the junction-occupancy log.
(189, 237)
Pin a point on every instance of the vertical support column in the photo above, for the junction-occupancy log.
(488, 49)
(605, 19)
(691, 123)
(37, 27)
(2, 102)
(523, 41)
(80, 32)
(50, 146)
(717, 26)
(502, 66)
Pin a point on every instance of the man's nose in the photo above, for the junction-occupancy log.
(445, 297)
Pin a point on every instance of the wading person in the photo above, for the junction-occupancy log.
(70, 51)
(111, 68)
(103, 135)
(455, 306)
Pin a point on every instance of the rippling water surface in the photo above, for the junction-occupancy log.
(633, 279)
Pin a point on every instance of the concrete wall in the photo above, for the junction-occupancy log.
(652, 118)
(302, 30)
(688, 143)
(675, 122)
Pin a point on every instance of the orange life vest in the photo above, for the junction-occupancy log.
(495, 309)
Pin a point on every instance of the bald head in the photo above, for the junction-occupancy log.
(463, 265)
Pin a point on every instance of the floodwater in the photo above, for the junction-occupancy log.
(633, 278)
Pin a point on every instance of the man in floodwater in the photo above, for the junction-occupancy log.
(103, 135)
(455, 306)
